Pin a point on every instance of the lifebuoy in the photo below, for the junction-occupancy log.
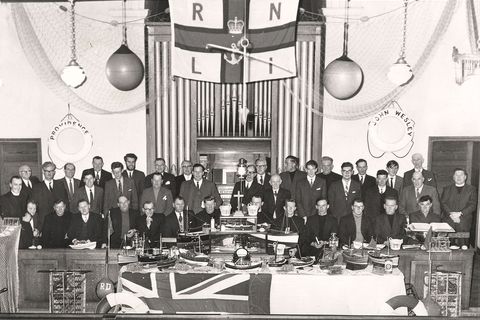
(121, 299)
(410, 302)
(75, 124)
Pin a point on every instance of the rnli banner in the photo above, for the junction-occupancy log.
(209, 36)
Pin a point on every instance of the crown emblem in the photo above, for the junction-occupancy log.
(235, 26)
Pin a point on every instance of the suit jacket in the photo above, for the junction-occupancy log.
(111, 194)
(255, 189)
(368, 182)
(408, 200)
(296, 224)
(398, 184)
(306, 196)
(104, 177)
(330, 178)
(55, 229)
(419, 217)
(13, 206)
(288, 183)
(374, 201)
(178, 183)
(270, 205)
(152, 233)
(194, 197)
(168, 181)
(266, 181)
(347, 230)
(26, 233)
(164, 202)
(314, 228)
(430, 178)
(383, 229)
(94, 228)
(76, 186)
(116, 217)
(95, 206)
(341, 205)
(45, 198)
(139, 179)
(33, 180)
(203, 217)
(465, 202)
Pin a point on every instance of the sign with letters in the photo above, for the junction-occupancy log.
(209, 38)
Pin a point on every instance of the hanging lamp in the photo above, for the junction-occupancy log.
(400, 72)
(73, 74)
(124, 68)
(343, 77)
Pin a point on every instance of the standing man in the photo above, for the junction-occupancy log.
(263, 178)
(56, 226)
(187, 167)
(273, 201)
(374, 197)
(90, 192)
(459, 203)
(195, 190)
(327, 173)
(86, 226)
(394, 180)
(160, 196)
(131, 172)
(391, 223)
(100, 176)
(69, 182)
(27, 179)
(248, 188)
(365, 180)
(342, 193)
(412, 193)
(117, 187)
(47, 192)
(355, 226)
(168, 179)
(417, 161)
(291, 174)
(309, 190)
(122, 220)
(14, 203)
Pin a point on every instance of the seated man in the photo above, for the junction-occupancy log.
(355, 226)
(317, 229)
(206, 215)
(150, 223)
(56, 226)
(425, 214)
(86, 225)
(290, 221)
(122, 221)
(390, 224)
(180, 220)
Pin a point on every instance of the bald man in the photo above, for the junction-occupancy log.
(429, 176)
(412, 193)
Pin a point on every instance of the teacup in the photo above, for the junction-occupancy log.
(395, 244)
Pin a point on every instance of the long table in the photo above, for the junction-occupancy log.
(412, 264)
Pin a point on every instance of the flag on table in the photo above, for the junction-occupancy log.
(201, 292)
(267, 26)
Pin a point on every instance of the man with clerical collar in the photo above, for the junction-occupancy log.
(131, 172)
(56, 226)
(27, 179)
(168, 179)
(180, 220)
(248, 188)
(390, 224)
(195, 190)
(122, 222)
(187, 167)
(327, 173)
(342, 193)
(209, 211)
(410, 195)
(159, 195)
(14, 202)
(425, 214)
(273, 201)
(263, 178)
(150, 223)
(90, 192)
(309, 189)
(86, 226)
(355, 226)
(100, 176)
(118, 186)
(291, 174)
(318, 228)
(290, 221)
(393, 179)
(417, 161)
(374, 197)
(459, 201)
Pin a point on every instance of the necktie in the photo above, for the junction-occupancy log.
(361, 179)
(149, 222)
(120, 186)
(261, 180)
(391, 182)
(311, 182)
(29, 184)
(198, 185)
(275, 193)
(130, 175)
(346, 190)
(91, 196)
(71, 188)
(381, 191)
(417, 192)
(180, 222)
(51, 187)
(97, 178)
(247, 185)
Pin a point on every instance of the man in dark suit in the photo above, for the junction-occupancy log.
(374, 197)
(55, 227)
(118, 186)
(101, 176)
(327, 173)
(180, 220)
(342, 193)
(168, 179)
(393, 179)
(410, 195)
(425, 214)
(348, 226)
(318, 228)
(86, 226)
(131, 172)
(47, 192)
(309, 189)
(160, 196)
(90, 192)
(186, 175)
(290, 221)
(150, 223)
(195, 190)
(248, 188)
(459, 203)
(291, 174)
(70, 184)
(122, 222)
(390, 224)
(205, 216)
(273, 201)
(365, 180)
(263, 178)
(27, 179)
(417, 161)
(14, 202)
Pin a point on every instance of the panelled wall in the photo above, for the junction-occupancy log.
(284, 113)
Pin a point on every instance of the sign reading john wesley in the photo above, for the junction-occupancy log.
(202, 30)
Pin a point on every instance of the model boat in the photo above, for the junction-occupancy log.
(355, 259)
(378, 259)
(191, 258)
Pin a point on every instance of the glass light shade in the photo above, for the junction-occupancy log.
(400, 72)
(73, 75)
(343, 78)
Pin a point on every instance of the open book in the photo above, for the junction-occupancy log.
(436, 227)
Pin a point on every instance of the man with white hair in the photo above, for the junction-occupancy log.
(429, 176)
(412, 193)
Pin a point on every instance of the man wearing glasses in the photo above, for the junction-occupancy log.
(342, 192)
(187, 168)
(263, 177)
(248, 188)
